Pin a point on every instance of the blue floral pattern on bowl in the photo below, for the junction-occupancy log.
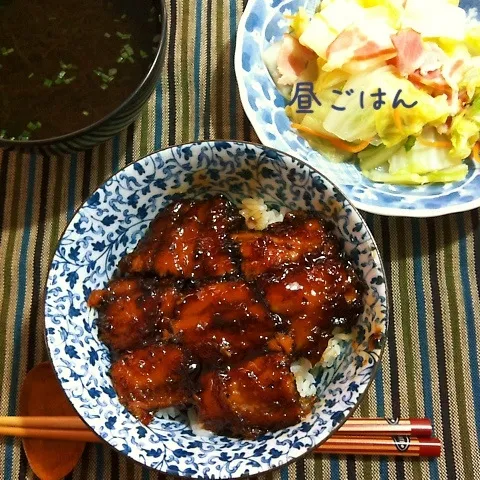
(262, 24)
(110, 223)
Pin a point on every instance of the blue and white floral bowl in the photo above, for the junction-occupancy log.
(110, 223)
(262, 24)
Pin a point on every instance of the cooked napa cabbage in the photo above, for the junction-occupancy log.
(398, 85)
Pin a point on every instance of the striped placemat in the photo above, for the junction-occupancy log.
(431, 366)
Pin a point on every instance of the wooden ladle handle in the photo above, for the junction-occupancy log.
(42, 395)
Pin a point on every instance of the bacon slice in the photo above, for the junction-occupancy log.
(433, 58)
(433, 81)
(456, 66)
(373, 50)
(292, 60)
(348, 38)
(409, 47)
(353, 44)
(452, 72)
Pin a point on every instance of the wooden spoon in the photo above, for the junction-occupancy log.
(42, 395)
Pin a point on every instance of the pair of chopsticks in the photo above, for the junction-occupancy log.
(383, 437)
(357, 436)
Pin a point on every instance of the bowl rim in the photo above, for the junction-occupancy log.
(383, 340)
(262, 135)
(158, 60)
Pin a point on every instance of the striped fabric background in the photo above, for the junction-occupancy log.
(431, 366)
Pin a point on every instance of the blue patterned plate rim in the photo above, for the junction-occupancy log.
(381, 343)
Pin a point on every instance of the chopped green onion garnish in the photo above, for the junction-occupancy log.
(103, 86)
(143, 54)
(124, 16)
(33, 126)
(23, 136)
(67, 66)
(31, 75)
(105, 78)
(410, 143)
(6, 51)
(61, 76)
(86, 113)
(106, 34)
(3, 132)
(123, 36)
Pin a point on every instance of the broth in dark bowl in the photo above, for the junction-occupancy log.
(65, 65)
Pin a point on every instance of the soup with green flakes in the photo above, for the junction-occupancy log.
(66, 64)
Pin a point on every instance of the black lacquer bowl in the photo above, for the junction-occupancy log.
(112, 123)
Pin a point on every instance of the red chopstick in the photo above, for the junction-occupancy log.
(404, 446)
(379, 427)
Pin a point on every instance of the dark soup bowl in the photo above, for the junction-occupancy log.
(72, 76)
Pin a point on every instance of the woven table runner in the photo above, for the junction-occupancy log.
(431, 364)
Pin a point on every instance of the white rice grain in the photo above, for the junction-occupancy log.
(196, 425)
(257, 214)
(303, 378)
(305, 374)
(334, 347)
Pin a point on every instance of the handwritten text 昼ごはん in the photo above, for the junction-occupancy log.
(304, 95)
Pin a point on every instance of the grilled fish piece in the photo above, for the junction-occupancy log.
(314, 298)
(188, 239)
(131, 310)
(154, 377)
(252, 398)
(301, 234)
(223, 321)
